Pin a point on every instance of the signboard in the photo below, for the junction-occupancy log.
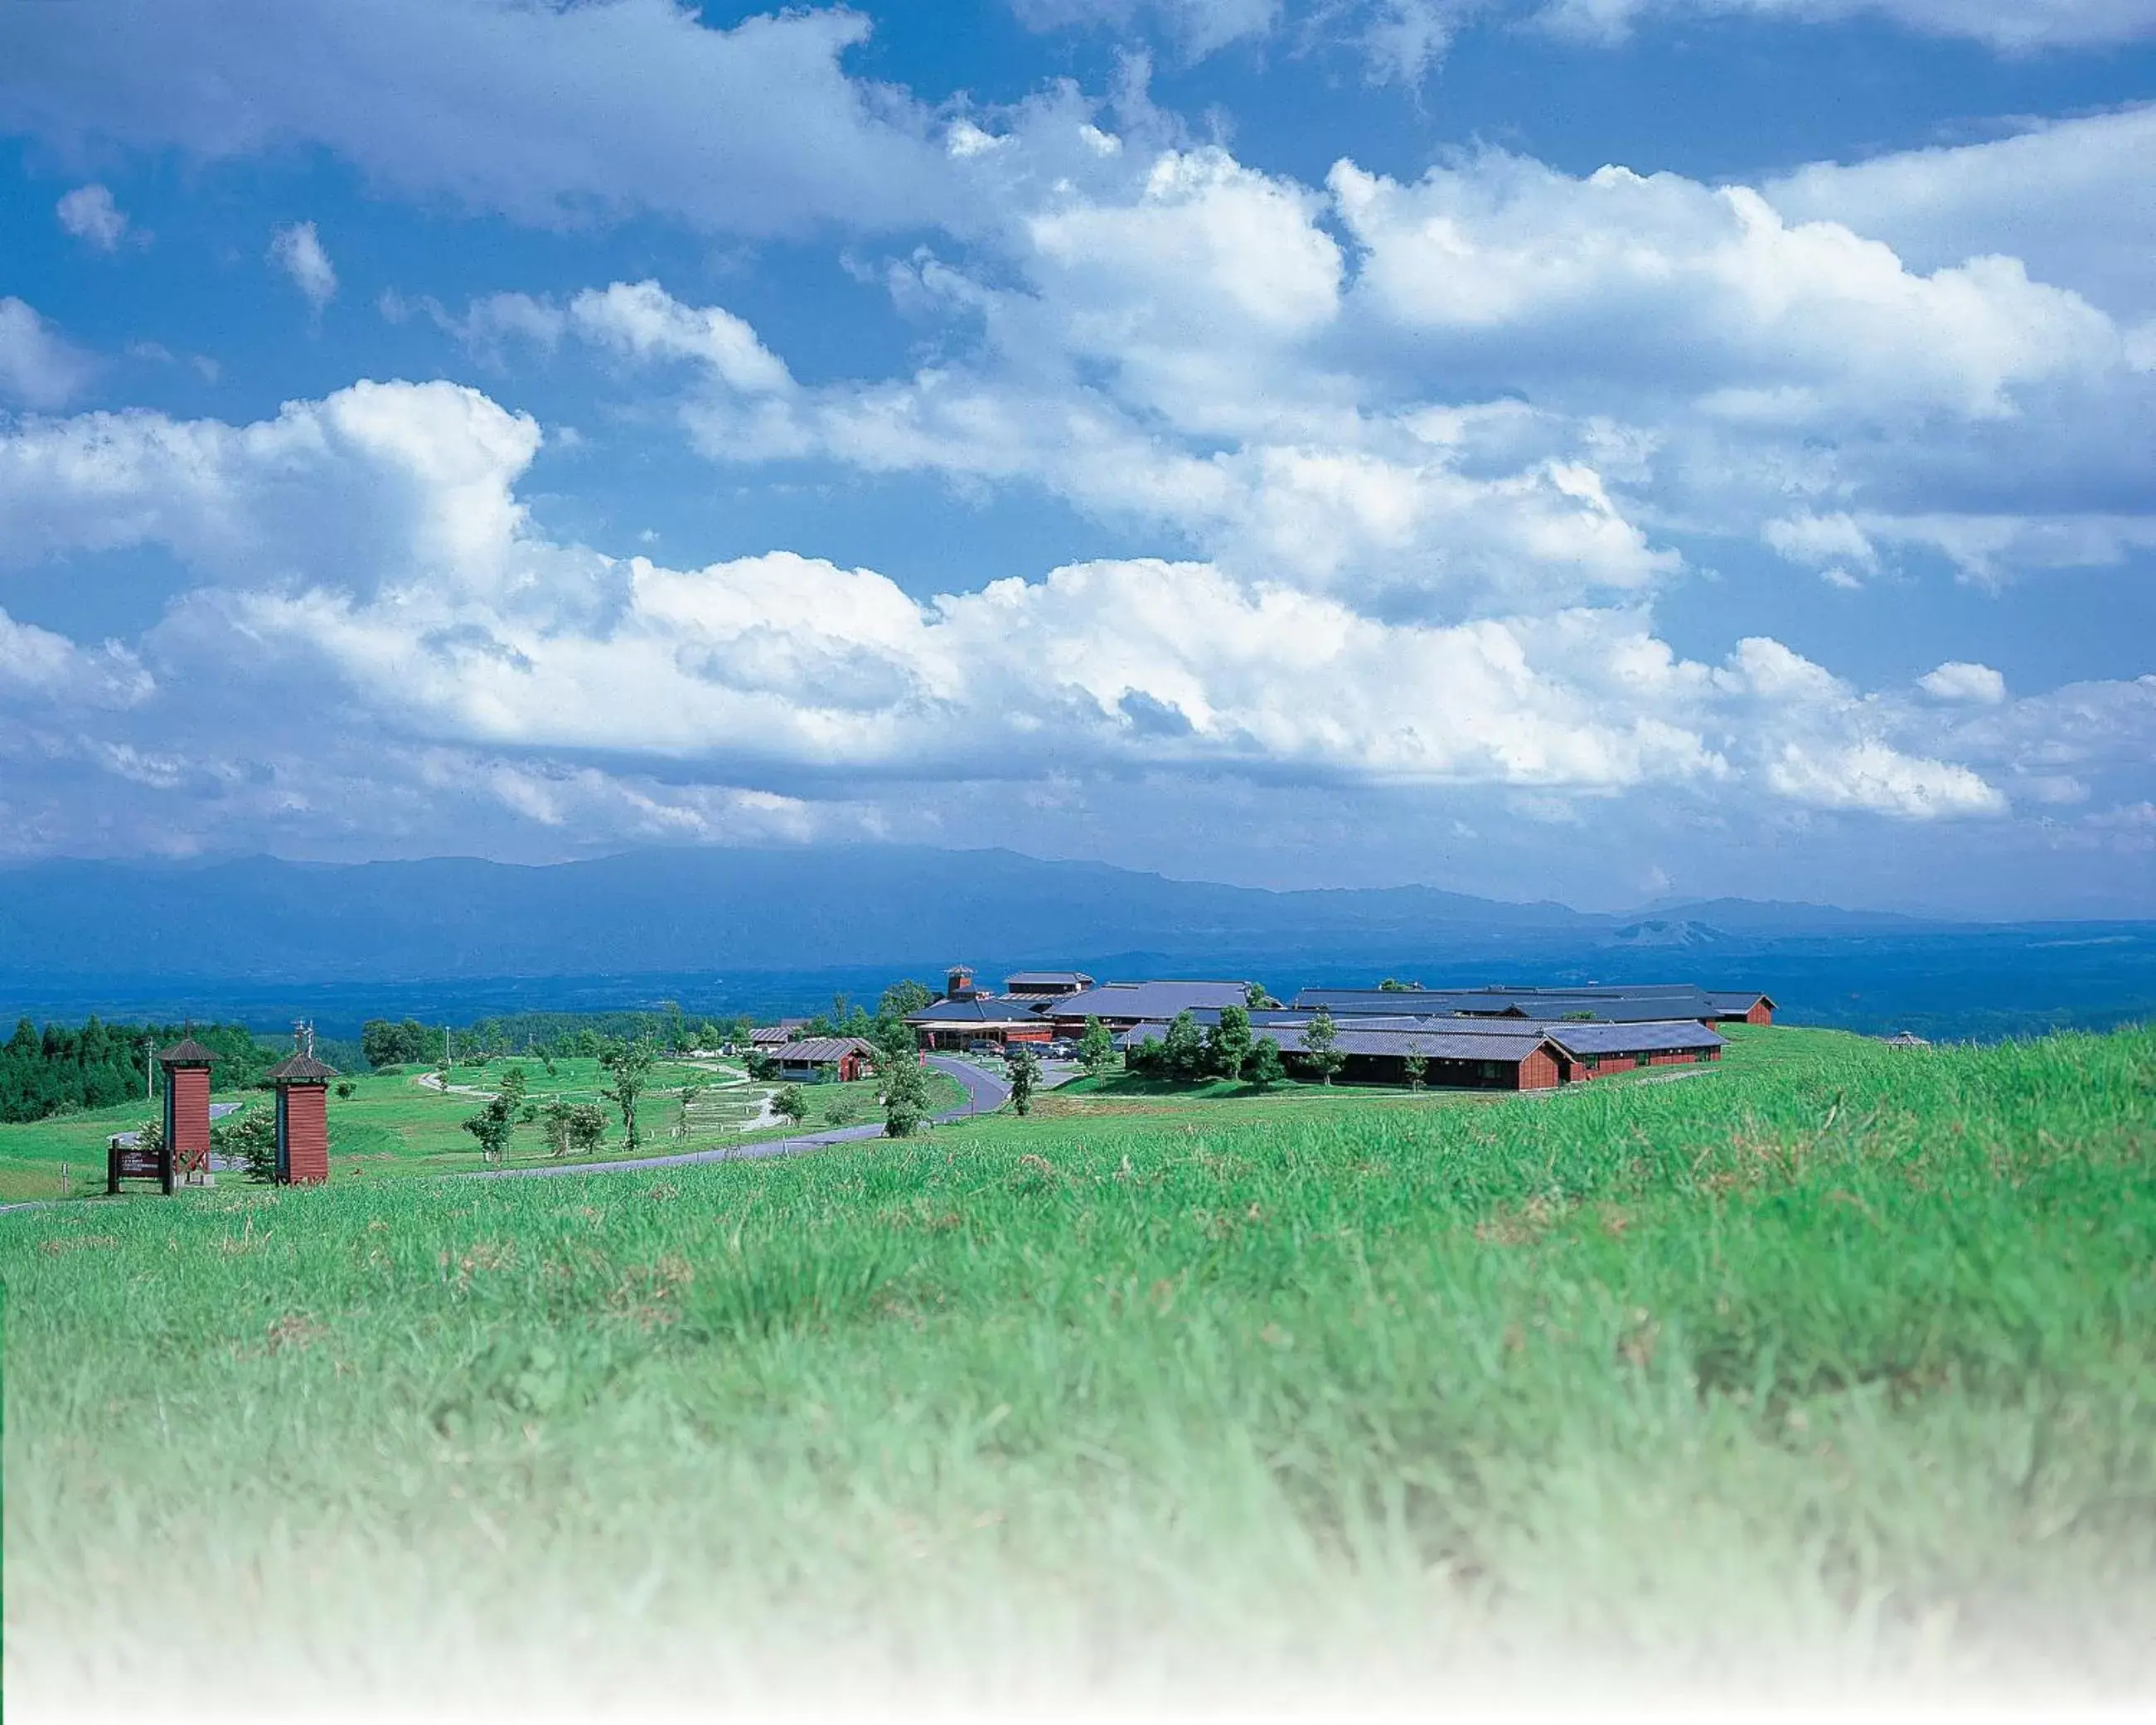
(136, 1163)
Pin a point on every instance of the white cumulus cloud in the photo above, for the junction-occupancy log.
(38, 368)
(90, 213)
(1958, 680)
(454, 624)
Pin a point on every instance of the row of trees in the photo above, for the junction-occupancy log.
(1227, 1050)
(555, 1036)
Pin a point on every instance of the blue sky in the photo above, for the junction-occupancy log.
(1602, 449)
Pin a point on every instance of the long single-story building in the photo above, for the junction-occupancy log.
(1613, 1002)
(822, 1060)
(1482, 1054)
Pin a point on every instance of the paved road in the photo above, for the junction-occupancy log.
(984, 1095)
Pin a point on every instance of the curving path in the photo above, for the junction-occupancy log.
(984, 1095)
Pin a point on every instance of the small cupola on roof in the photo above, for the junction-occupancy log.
(959, 984)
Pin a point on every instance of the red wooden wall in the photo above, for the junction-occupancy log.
(1538, 1072)
(190, 1093)
(307, 1133)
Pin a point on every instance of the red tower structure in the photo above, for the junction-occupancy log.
(187, 1064)
(303, 1113)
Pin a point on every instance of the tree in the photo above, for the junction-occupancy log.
(1393, 985)
(554, 1122)
(510, 1086)
(1024, 1074)
(1416, 1068)
(1256, 998)
(492, 1125)
(905, 1101)
(761, 1065)
(1147, 1057)
(1318, 1052)
(902, 998)
(250, 1135)
(1228, 1044)
(1096, 1049)
(690, 1092)
(345, 1090)
(791, 1104)
(1265, 1070)
(587, 1125)
(1182, 1053)
(631, 1064)
(905, 1086)
(382, 1044)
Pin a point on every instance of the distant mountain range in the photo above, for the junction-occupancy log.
(774, 930)
(717, 911)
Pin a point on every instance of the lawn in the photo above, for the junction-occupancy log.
(397, 1123)
(1834, 1366)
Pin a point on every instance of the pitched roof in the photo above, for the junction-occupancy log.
(1048, 979)
(1433, 1038)
(1618, 1003)
(1738, 999)
(1656, 1036)
(300, 1068)
(1449, 1043)
(1149, 1000)
(820, 1051)
(984, 1009)
(187, 1052)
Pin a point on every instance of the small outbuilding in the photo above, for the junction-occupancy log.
(825, 1060)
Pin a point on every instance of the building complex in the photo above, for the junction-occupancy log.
(1488, 1038)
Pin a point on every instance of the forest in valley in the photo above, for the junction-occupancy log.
(49, 1071)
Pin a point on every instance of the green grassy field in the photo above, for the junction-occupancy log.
(1835, 1366)
(393, 1124)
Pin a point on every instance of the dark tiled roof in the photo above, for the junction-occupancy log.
(1660, 1036)
(1149, 1000)
(822, 1050)
(1446, 1043)
(300, 1068)
(987, 1009)
(1625, 1002)
(1433, 1038)
(1048, 979)
(187, 1052)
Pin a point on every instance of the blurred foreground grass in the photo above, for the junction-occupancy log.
(1838, 1361)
